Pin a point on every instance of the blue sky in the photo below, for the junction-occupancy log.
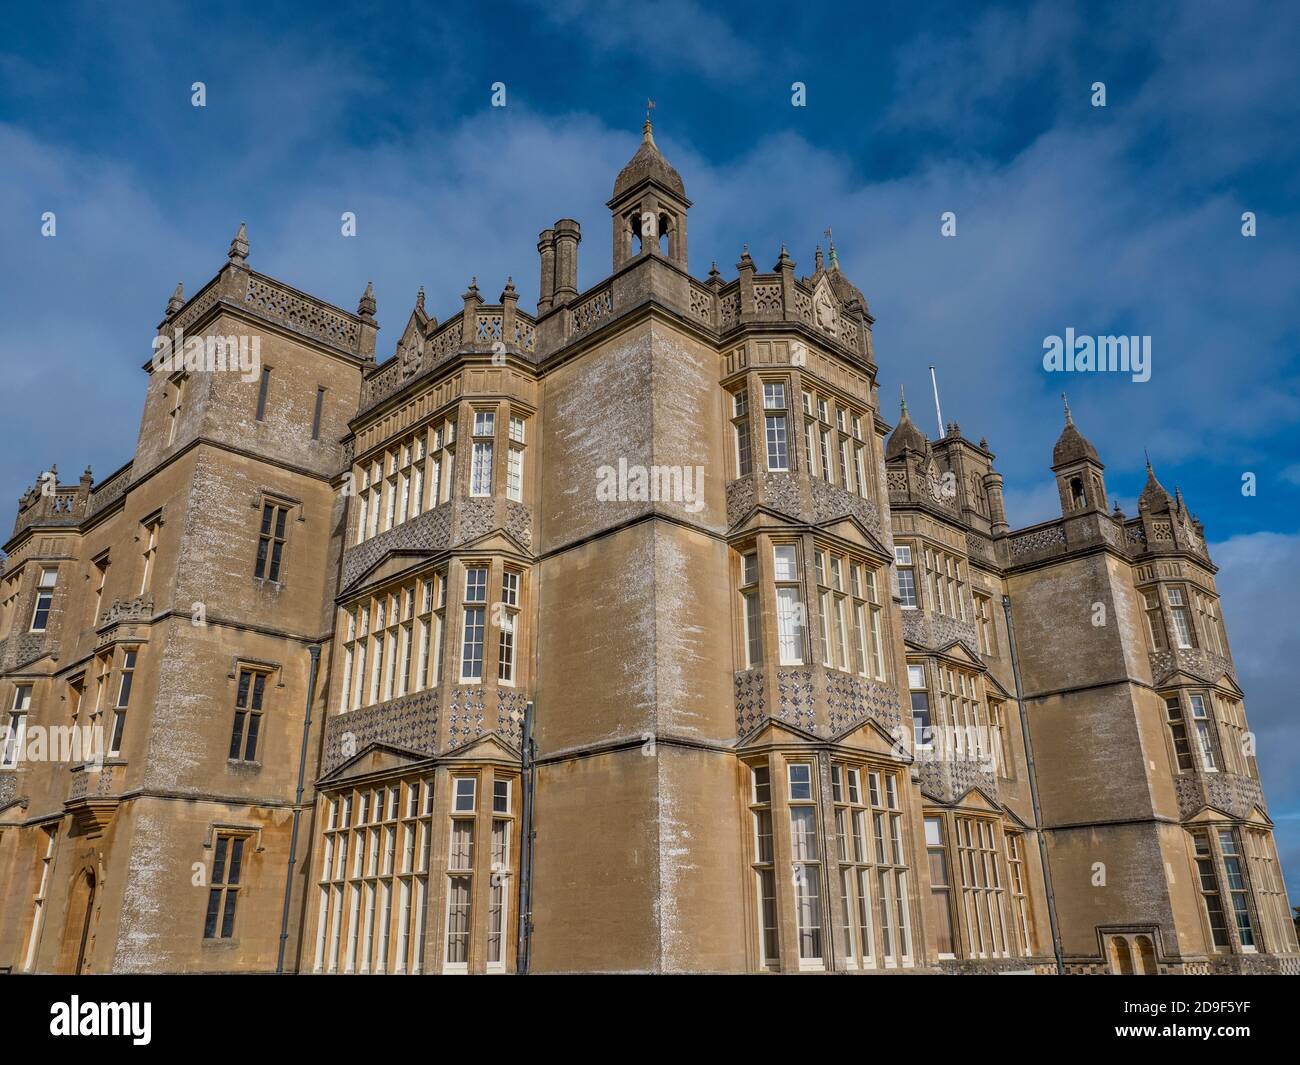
(1124, 219)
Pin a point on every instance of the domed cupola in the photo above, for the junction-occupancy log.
(1072, 445)
(649, 205)
(1078, 469)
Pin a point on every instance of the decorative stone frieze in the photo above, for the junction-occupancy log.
(795, 702)
(947, 779)
(132, 610)
(852, 700)
(430, 531)
(1194, 661)
(1232, 793)
(1041, 540)
(409, 722)
(519, 522)
(831, 502)
(740, 499)
(466, 716)
(475, 518)
(751, 701)
(933, 631)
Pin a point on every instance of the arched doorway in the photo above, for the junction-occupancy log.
(1121, 958)
(74, 952)
(1146, 955)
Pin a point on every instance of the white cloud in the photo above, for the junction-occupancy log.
(1260, 587)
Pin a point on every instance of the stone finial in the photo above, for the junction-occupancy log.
(1119, 511)
(239, 246)
(419, 300)
(784, 262)
(509, 293)
(819, 261)
(87, 478)
(177, 301)
(472, 292)
(713, 270)
(746, 260)
(366, 305)
(984, 443)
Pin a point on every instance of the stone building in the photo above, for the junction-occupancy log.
(801, 699)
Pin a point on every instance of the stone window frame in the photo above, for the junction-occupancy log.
(480, 440)
(1211, 831)
(480, 605)
(460, 865)
(910, 565)
(761, 854)
(414, 821)
(408, 658)
(516, 454)
(274, 674)
(806, 855)
(119, 709)
(232, 834)
(39, 900)
(773, 413)
(1183, 610)
(985, 625)
(943, 579)
(149, 527)
(874, 630)
(1004, 753)
(15, 725)
(969, 696)
(858, 864)
(1271, 906)
(176, 382)
(977, 835)
(100, 564)
(798, 583)
(1022, 903)
(749, 588)
(43, 590)
(12, 584)
(738, 414)
(508, 617)
(295, 510)
(501, 855)
(1209, 616)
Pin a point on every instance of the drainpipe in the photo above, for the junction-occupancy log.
(528, 784)
(1033, 791)
(314, 651)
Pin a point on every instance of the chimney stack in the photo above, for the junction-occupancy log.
(546, 292)
(567, 235)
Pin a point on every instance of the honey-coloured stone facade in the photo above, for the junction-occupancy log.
(355, 661)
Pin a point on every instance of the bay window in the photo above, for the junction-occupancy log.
(790, 610)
